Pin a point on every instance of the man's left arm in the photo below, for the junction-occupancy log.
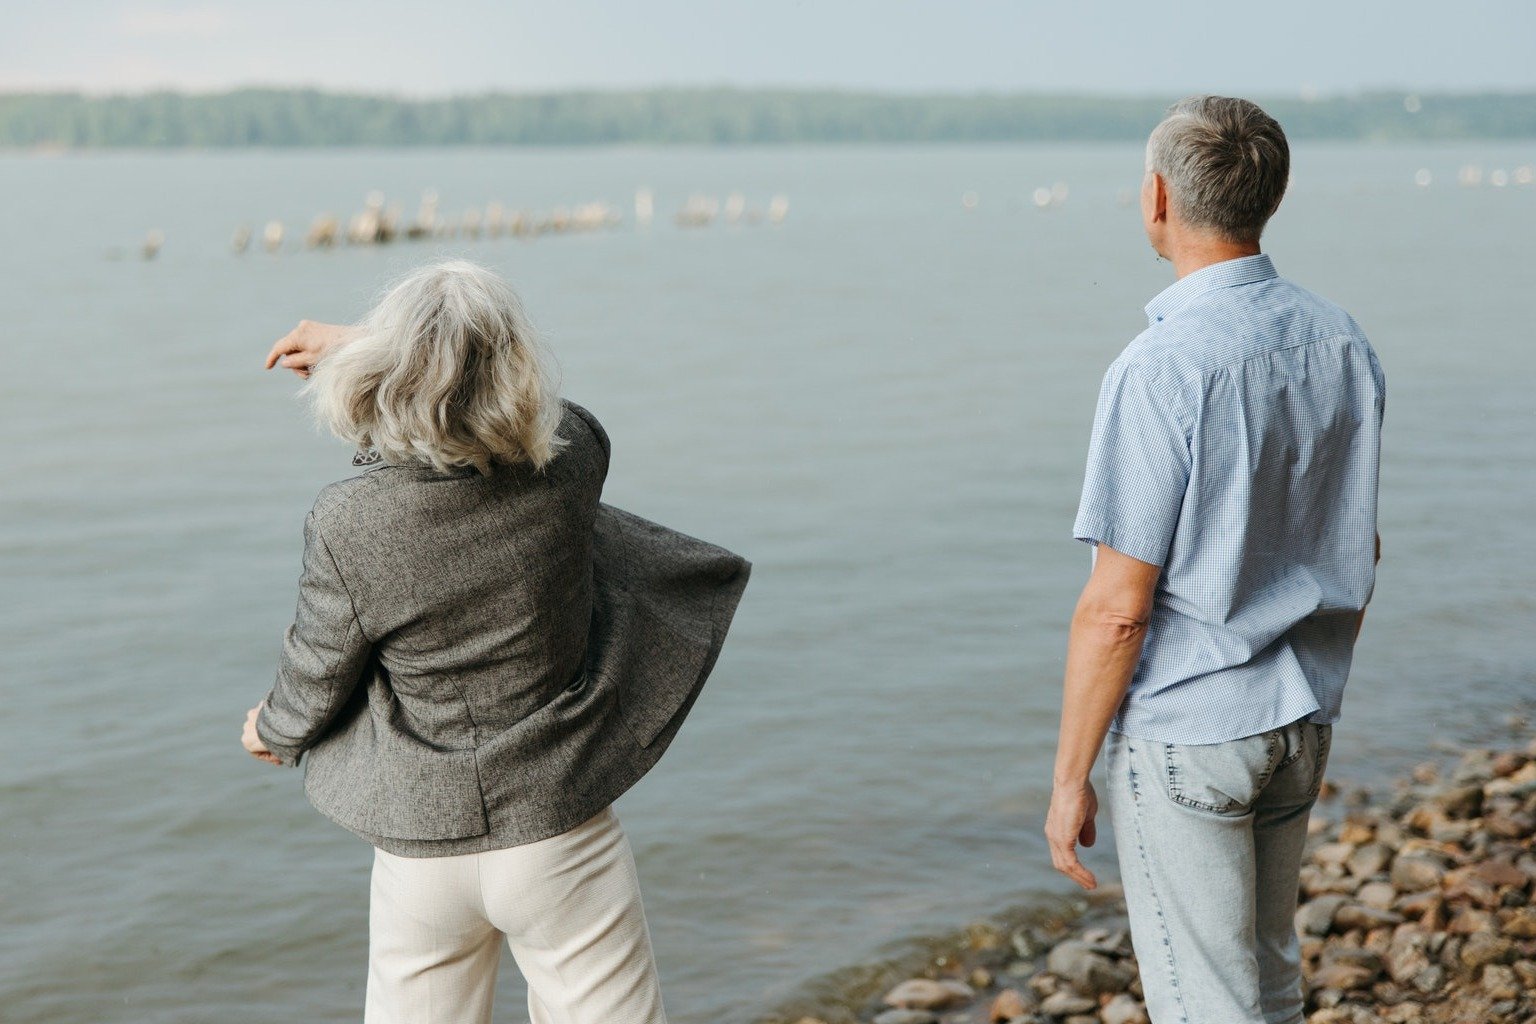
(1103, 648)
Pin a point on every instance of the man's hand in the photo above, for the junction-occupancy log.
(304, 346)
(252, 742)
(1068, 823)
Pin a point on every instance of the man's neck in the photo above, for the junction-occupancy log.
(1197, 253)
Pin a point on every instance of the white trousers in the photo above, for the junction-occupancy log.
(569, 908)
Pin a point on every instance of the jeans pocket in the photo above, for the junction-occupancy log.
(1222, 778)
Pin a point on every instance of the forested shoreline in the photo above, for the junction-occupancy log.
(719, 116)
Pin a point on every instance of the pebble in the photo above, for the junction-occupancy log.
(927, 994)
(1066, 1003)
(1010, 1003)
(1413, 873)
(1484, 948)
(1123, 1009)
(1316, 916)
(1087, 971)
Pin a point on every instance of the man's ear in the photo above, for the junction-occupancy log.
(1159, 199)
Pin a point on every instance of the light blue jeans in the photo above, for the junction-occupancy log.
(1210, 840)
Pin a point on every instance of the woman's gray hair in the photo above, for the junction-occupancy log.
(446, 371)
(1226, 164)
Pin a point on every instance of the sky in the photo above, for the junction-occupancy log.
(439, 47)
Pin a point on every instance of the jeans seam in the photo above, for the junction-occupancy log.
(1157, 904)
(1324, 738)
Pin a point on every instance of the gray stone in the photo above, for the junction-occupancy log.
(1315, 917)
(927, 994)
(906, 1017)
(1354, 915)
(1065, 1003)
(1368, 860)
(1087, 971)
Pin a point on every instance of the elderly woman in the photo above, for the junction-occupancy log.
(483, 658)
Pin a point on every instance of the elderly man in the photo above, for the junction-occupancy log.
(1230, 497)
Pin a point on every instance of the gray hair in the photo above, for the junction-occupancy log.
(446, 371)
(1226, 164)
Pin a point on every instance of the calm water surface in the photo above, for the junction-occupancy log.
(884, 402)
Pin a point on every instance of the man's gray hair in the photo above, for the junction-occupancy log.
(1225, 162)
(446, 371)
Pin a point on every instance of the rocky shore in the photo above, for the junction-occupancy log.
(1415, 907)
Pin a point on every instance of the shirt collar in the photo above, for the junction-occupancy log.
(1226, 274)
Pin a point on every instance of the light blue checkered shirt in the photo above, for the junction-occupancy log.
(1236, 444)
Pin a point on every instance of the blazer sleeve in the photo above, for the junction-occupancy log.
(322, 658)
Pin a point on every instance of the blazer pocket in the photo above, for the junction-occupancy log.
(661, 676)
(373, 779)
(1222, 778)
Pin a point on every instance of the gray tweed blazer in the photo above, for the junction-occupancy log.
(485, 661)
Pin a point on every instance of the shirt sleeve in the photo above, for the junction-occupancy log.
(322, 656)
(1138, 467)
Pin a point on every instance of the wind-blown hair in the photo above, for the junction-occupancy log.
(1225, 161)
(446, 371)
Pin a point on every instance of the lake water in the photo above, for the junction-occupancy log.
(884, 402)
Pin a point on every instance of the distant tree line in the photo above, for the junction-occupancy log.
(307, 117)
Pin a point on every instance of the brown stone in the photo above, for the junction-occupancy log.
(1414, 904)
(1485, 948)
(1423, 818)
(1469, 921)
(1123, 1009)
(1500, 982)
(1412, 873)
(1508, 763)
(1461, 802)
(1356, 831)
(1353, 916)
(1011, 1003)
(1368, 860)
(1499, 873)
(1342, 976)
(1510, 826)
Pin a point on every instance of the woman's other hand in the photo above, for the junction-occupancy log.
(252, 742)
(304, 346)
